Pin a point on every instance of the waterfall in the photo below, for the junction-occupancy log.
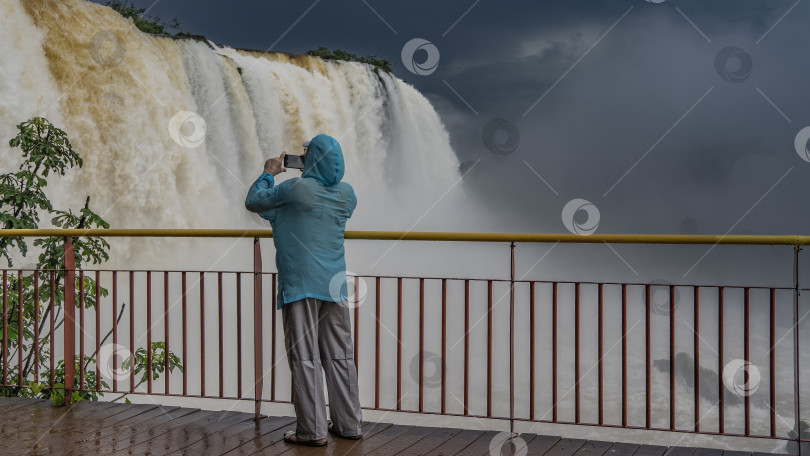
(115, 91)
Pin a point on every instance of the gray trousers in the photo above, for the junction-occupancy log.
(318, 335)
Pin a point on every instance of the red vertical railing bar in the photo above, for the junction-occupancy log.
(220, 338)
(69, 323)
(377, 352)
(554, 352)
(421, 343)
(98, 329)
(599, 342)
(489, 348)
(81, 330)
(671, 357)
(148, 331)
(531, 351)
(52, 304)
(166, 331)
(444, 343)
(115, 326)
(576, 353)
(772, 361)
(466, 346)
(721, 404)
(185, 331)
(132, 330)
(648, 355)
(696, 353)
(273, 337)
(399, 343)
(20, 311)
(624, 355)
(512, 338)
(5, 329)
(796, 358)
(356, 324)
(239, 335)
(747, 357)
(36, 328)
(202, 334)
(258, 368)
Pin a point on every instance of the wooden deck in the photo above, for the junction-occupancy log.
(35, 427)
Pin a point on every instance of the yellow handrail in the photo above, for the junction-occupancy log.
(795, 240)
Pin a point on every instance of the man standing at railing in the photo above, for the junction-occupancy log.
(308, 216)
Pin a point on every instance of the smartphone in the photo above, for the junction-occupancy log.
(294, 161)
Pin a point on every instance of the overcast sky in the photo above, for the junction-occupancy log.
(669, 116)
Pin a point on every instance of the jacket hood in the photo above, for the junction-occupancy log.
(324, 160)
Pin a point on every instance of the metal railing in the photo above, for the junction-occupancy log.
(525, 389)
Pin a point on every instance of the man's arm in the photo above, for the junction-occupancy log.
(264, 196)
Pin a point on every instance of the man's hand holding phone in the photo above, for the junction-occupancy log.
(274, 166)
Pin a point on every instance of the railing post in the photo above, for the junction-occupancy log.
(70, 323)
(512, 339)
(257, 325)
(796, 376)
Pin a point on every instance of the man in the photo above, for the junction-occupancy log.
(308, 216)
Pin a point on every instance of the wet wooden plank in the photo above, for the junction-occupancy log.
(650, 450)
(183, 436)
(566, 447)
(622, 449)
(8, 401)
(66, 439)
(126, 429)
(235, 436)
(402, 442)
(341, 446)
(264, 443)
(540, 444)
(148, 429)
(369, 444)
(713, 452)
(736, 453)
(24, 427)
(479, 446)
(431, 442)
(594, 448)
(679, 451)
(456, 443)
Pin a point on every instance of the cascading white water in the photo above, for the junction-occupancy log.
(118, 89)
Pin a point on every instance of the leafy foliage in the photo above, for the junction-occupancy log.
(145, 22)
(339, 54)
(27, 294)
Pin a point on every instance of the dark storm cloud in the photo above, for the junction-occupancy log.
(627, 98)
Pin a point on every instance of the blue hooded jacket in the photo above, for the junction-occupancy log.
(308, 216)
